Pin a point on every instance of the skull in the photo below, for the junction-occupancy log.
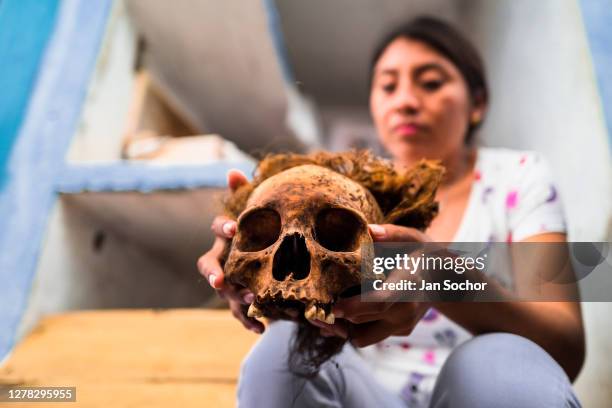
(298, 245)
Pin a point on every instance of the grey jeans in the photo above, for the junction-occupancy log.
(492, 370)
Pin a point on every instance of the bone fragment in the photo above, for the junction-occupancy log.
(254, 311)
(330, 318)
(321, 314)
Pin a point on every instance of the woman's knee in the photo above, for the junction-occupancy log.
(271, 350)
(502, 369)
(265, 364)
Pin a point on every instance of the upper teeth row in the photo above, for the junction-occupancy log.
(312, 312)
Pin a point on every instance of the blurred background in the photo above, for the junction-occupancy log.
(120, 118)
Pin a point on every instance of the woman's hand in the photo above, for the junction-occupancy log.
(368, 321)
(210, 267)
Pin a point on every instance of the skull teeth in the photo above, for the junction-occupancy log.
(254, 311)
(313, 312)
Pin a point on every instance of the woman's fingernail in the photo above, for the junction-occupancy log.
(377, 230)
(211, 280)
(248, 298)
(229, 228)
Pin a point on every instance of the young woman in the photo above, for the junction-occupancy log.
(428, 95)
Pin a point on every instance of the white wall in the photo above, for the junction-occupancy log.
(100, 131)
(545, 98)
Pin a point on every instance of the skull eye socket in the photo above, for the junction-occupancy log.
(337, 229)
(258, 230)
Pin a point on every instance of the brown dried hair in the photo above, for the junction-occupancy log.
(404, 198)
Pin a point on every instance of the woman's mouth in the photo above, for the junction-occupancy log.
(407, 129)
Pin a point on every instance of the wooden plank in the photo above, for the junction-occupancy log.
(183, 357)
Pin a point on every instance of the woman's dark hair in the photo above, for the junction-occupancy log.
(449, 42)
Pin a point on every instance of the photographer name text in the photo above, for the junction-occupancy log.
(447, 285)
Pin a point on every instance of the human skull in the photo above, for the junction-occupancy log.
(299, 242)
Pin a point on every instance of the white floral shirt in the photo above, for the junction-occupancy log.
(512, 198)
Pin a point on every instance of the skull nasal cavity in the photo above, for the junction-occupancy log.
(291, 258)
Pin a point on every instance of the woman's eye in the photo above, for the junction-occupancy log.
(432, 85)
(388, 88)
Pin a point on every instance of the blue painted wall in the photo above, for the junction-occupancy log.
(597, 16)
(37, 154)
(25, 26)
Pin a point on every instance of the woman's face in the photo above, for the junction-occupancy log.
(420, 103)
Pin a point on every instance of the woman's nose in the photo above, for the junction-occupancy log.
(407, 100)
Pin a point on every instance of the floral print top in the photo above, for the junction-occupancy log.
(512, 198)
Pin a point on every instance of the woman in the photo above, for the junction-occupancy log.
(428, 95)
